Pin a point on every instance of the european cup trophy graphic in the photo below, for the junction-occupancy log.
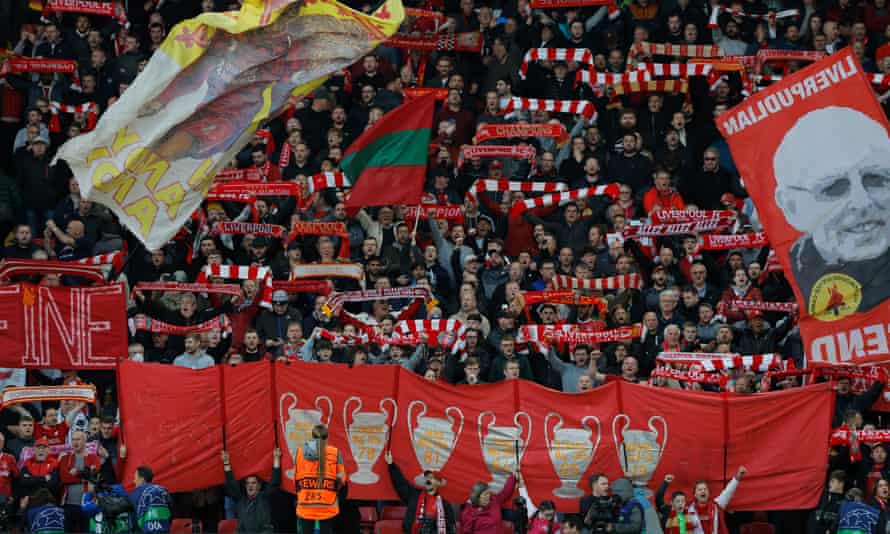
(367, 435)
(433, 438)
(503, 446)
(296, 424)
(571, 451)
(639, 451)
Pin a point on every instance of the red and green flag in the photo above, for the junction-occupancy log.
(387, 163)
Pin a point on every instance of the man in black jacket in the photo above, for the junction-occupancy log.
(847, 400)
(254, 511)
(426, 505)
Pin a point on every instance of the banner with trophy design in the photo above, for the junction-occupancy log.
(178, 421)
(569, 442)
(357, 404)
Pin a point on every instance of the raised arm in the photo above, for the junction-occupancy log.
(725, 496)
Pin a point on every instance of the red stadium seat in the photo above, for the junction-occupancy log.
(369, 517)
(388, 526)
(184, 526)
(227, 526)
(757, 528)
(394, 512)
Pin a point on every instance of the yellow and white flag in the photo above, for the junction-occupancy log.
(155, 152)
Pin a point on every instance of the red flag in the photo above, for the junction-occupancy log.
(814, 152)
(388, 162)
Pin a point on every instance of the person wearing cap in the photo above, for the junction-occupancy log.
(427, 511)
(271, 325)
(705, 187)
(37, 181)
(759, 337)
(41, 470)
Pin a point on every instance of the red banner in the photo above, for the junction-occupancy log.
(62, 327)
(821, 199)
(472, 433)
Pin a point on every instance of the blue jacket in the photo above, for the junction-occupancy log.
(152, 505)
(91, 508)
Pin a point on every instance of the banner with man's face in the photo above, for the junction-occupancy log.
(814, 154)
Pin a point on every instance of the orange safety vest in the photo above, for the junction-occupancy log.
(314, 502)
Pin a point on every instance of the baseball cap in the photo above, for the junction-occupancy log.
(279, 295)
(727, 198)
(471, 257)
(40, 139)
(42, 442)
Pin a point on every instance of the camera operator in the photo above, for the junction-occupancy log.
(74, 467)
(427, 513)
(600, 510)
(42, 514)
(107, 506)
(824, 519)
(151, 502)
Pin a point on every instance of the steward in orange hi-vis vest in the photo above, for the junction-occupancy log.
(318, 478)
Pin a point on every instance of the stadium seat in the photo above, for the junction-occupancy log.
(184, 526)
(757, 528)
(369, 517)
(394, 512)
(388, 526)
(227, 526)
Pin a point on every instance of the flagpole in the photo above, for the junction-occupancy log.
(416, 224)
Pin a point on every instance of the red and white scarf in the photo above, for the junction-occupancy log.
(263, 275)
(761, 305)
(843, 437)
(242, 228)
(692, 375)
(623, 281)
(250, 174)
(455, 42)
(441, 524)
(180, 287)
(521, 130)
(20, 267)
(434, 329)
(328, 180)
(496, 151)
(78, 393)
(335, 302)
(652, 86)
(562, 296)
(89, 7)
(115, 259)
(669, 49)
(576, 107)
(610, 190)
(91, 109)
(733, 241)
(150, 324)
(676, 70)
(284, 157)
(636, 231)
(611, 5)
(592, 77)
(579, 55)
(502, 186)
(301, 228)
(439, 93)
(715, 362)
(321, 287)
(543, 335)
(772, 16)
(354, 271)
(343, 339)
(688, 216)
(259, 189)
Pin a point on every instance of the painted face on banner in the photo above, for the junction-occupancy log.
(836, 188)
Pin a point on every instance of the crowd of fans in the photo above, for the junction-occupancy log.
(661, 148)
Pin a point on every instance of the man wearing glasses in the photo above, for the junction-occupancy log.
(835, 189)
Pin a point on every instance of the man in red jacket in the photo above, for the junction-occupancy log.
(8, 470)
(39, 471)
(72, 466)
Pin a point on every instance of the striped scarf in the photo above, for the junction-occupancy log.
(579, 55)
(772, 16)
(496, 151)
(520, 207)
(242, 272)
(328, 180)
(20, 267)
(354, 271)
(592, 77)
(715, 362)
(522, 129)
(669, 49)
(576, 107)
(150, 324)
(507, 185)
(624, 281)
(636, 231)
(652, 86)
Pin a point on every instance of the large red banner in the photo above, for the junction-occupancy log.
(62, 327)
(173, 420)
(814, 153)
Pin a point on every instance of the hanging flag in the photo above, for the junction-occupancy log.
(387, 163)
(814, 152)
(216, 77)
